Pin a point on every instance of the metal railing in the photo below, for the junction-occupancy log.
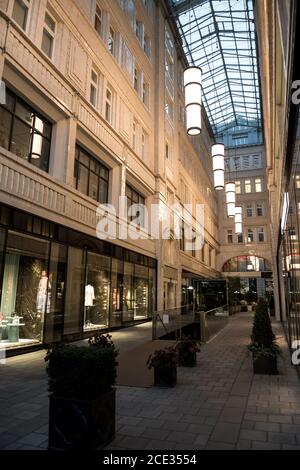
(213, 321)
(169, 321)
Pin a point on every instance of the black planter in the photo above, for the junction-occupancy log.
(165, 376)
(82, 424)
(187, 359)
(265, 365)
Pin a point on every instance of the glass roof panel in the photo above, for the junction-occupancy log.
(219, 36)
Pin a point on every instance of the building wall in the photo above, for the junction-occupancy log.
(142, 145)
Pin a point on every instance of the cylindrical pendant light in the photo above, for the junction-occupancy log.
(192, 80)
(230, 198)
(238, 220)
(217, 151)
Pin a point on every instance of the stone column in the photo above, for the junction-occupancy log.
(62, 153)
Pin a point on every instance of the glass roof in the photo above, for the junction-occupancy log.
(219, 36)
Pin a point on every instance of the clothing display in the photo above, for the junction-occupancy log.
(42, 292)
(89, 295)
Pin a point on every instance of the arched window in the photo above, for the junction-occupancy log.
(246, 263)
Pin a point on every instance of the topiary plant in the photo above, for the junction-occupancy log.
(262, 337)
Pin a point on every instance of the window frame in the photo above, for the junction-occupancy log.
(27, 4)
(47, 30)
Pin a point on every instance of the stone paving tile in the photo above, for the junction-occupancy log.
(216, 405)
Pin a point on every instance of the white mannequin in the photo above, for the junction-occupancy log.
(89, 295)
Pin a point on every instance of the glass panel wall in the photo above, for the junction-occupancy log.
(24, 299)
(116, 292)
(97, 292)
(128, 290)
(56, 293)
(141, 292)
(74, 293)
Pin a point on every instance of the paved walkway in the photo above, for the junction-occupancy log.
(219, 404)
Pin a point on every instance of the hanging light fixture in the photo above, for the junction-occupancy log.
(217, 151)
(238, 220)
(192, 80)
(230, 198)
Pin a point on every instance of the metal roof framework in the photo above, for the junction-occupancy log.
(219, 36)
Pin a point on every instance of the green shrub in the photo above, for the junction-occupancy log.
(80, 372)
(262, 337)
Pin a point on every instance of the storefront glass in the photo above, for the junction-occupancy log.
(117, 292)
(24, 300)
(97, 292)
(141, 292)
(74, 293)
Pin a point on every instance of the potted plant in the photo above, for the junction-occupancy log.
(263, 346)
(187, 351)
(82, 396)
(164, 362)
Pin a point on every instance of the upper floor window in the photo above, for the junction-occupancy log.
(167, 151)
(98, 20)
(169, 106)
(258, 185)
(136, 80)
(20, 12)
(145, 94)
(111, 41)
(48, 35)
(143, 144)
(24, 131)
(238, 187)
(94, 88)
(250, 237)
(147, 46)
(133, 197)
(249, 210)
(297, 181)
(259, 209)
(240, 238)
(90, 176)
(248, 188)
(229, 236)
(261, 234)
(134, 135)
(108, 105)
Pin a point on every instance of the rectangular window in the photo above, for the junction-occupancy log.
(108, 105)
(297, 181)
(167, 154)
(94, 88)
(238, 187)
(20, 12)
(111, 41)
(193, 244)
(98, 20)
(250, 237)
(261, 234)
(137, 80)
(169, 107)
(24, 131)
(134, 136)
(259, 209)
(147, 46)
(229, 236)
(249, 210)
(48, 35)
(91, 177)
(133, 197)
(258, 185)
(145, 94)
(182, 237)
(248, 188)
(240, 238)
(143, 144)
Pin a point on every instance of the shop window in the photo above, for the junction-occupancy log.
(24, 300)
(20, 12)
(116, 292)
(91, 177)
(97, 292)
(140, 292)
(75, 283)
(25, 132)
(48, 35)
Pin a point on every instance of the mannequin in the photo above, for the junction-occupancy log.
(42, 292)
(88, 302)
